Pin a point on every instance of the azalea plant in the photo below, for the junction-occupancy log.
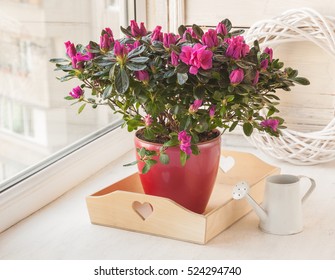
(179, 87)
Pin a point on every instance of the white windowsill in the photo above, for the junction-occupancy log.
(62, 229)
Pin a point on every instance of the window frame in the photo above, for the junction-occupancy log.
(33, 189)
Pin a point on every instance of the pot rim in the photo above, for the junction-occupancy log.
(200, 143)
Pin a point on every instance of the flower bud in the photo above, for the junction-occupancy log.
(210, 38)
(269, 51)
(236, 76)
(168, 39)
(120, 50)
(137, 31)
(221, 29)
(70, 49)
(142, 75)
(148, 120)
(76, 92)
(174, 59)
(105, 42)
(156, 34)
(212, 111)
(195, 106)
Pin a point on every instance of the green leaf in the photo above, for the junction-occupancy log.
(201, 126)
(230, 98)
(168, 74)
(247, 129)
(59, 60)
(271, 111)
(136, 51)
(197, 30)
(217, 95)
(302, 81)
(141, 152)
(195, 150)
(183, 158)
(164, 158)
(182, 78)
(233, 126)
(69, 97)
(172, 142)
(199, 92)
(227, 23)
(181, 30)
(122, 81)
(107, 92)
(135, 66)
(81, 108)
(148, 164)
(149, 134)
(126, 31)
(185, 123)
(182, 68)
(237, 32)
(131, 163)
(140, 59)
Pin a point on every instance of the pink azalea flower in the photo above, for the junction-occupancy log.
(120, 50)
(168, 39)
(237, 48)
(264, 64)
(269, 51)
(142, 75)
(212, 111)
(174, 59)
(221, 29)
(270, 123)
(236, 76)
(133, 46)
(105, 42)
(197, 57)
(185, 142)
(256, 78)
(210, 39)
(189, 31)
(70, 49)
(83, 57)
(148, 120)
(109, 32)
(76, 92)
(137, 31)
(195, 106)
(156, 34)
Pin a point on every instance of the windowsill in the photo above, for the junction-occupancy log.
(62, 229)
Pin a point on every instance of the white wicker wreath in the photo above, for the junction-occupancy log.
(293, 26)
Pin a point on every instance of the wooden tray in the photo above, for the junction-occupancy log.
(124, 205)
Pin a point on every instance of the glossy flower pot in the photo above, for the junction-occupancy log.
(190, 185)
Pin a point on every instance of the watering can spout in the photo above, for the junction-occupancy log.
(241, 191)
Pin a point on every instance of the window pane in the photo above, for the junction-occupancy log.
(35, 119)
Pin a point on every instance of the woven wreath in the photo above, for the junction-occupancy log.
(293, 26)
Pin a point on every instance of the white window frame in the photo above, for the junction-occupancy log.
(41, 184)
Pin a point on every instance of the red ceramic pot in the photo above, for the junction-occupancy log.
(190, 185)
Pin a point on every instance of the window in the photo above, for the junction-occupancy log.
(35, 121)
(42, 138)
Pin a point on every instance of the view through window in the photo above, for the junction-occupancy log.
(35, 119)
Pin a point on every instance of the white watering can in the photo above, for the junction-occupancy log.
(282, 205)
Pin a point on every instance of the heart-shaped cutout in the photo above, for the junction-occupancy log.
(144, 210)
(226, 163)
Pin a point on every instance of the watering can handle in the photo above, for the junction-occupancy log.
(310, 190)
